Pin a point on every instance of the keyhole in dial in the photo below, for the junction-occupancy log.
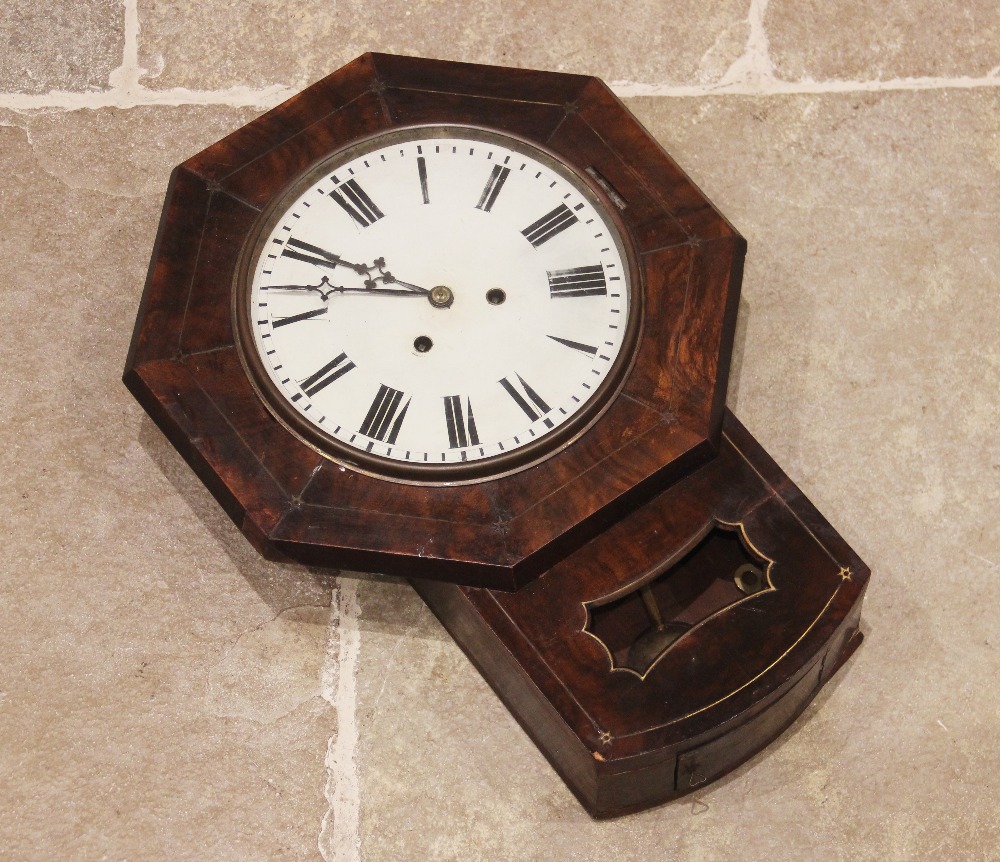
(422, 344)
(496, 296)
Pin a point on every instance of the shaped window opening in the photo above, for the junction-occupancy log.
(638, 627)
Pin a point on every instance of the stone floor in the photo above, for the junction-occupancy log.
(166, 694)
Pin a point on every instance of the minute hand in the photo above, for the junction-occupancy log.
(325, 289)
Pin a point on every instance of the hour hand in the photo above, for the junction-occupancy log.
(387, 277)
(314, 254)
(324, 288)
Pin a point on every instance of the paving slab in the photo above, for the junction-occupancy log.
(819, 39)
(217, 44)
(162, 687)
(69, 45)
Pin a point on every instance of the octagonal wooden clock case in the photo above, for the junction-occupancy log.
(472, 326)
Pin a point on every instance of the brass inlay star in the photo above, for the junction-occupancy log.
(845, 573)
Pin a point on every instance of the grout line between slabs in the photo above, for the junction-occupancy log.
(267, 97)
(340, 837)
(777, 87)
(751, 74)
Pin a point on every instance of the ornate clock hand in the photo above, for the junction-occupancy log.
(412, 288)
(314, 254)
(325, 289)
(375, 291)
(387, 277)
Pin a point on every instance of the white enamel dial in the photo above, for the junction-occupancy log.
(439, 296)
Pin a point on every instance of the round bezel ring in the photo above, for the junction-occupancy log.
(483, 469)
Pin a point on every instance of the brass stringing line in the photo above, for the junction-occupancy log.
(789, 508)
(621, 593)
(800, 637)
(741, 525)
(604, 646)
(748, 682)
(797, 640)
(583, 710)
(404, 88)
(542, 659)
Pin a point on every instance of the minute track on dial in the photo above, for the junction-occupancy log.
(496, 235)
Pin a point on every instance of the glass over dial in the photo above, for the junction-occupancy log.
(437, 299)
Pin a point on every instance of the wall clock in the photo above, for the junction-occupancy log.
(471, 325)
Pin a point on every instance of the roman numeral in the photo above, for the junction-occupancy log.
(422, 173)
(576, 345)
(549, 225)
(493, 186)
(382, 421)
(355, 202)
(310, 254)
(580, 281)
(527, 401)
(461, 429)
(295, 318)
(326, 375)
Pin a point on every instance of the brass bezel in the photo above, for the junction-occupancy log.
(482, 469)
